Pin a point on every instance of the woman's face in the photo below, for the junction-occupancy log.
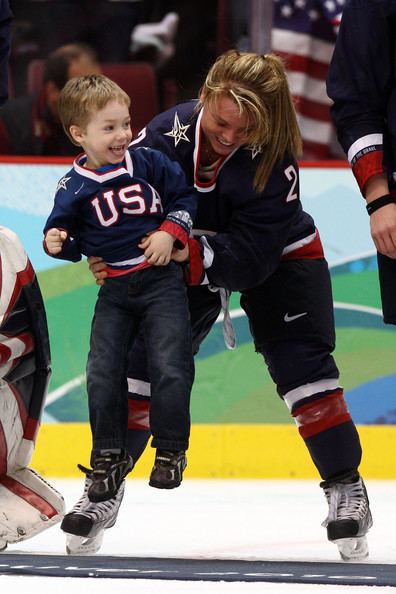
(224, 127)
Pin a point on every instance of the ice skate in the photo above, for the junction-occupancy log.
(108, 471)
(167, 472)
(349, 517)
(86, 522)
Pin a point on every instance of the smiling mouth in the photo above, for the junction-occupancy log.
(224, 143)
(118, 149)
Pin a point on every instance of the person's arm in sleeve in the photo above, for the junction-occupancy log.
(361, 83)
(62, 219)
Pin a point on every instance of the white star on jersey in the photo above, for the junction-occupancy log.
(178, 131)
(255, 150)
(62, 183)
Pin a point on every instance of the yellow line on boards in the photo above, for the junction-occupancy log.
(221, 451)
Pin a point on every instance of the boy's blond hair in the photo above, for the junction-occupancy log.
(82, 97)
(259, 87)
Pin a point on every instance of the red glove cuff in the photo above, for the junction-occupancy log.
(194, 271)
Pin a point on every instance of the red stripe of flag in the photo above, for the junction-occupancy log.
(312, 109)
(305, 65)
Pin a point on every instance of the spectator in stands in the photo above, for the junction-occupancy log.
(30, 125)
(41, 26)
(5, 25)
(106, 25)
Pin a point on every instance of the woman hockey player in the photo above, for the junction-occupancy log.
(238, 144)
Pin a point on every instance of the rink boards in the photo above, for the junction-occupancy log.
(240, 426)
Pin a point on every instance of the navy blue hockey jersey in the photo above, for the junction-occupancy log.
(106, 213)
(362, 84)
(244, 234)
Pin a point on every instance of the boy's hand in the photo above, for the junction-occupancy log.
(158, 247)
(54, 240)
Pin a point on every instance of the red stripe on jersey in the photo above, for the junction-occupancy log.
(310, 251)
(366, 166)
(138, 414)
(29, 496)
(112, 272)
(320, 415)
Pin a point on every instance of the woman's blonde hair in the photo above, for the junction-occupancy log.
(259, 87)
(82, 97)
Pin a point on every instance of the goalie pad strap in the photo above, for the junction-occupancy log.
(29, 496)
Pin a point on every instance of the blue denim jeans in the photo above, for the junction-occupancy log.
(153, 300)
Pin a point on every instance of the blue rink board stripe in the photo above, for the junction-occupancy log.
(101, 566)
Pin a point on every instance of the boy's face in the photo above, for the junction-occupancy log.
(107, 135)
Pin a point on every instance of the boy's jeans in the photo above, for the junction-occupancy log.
(155, 300)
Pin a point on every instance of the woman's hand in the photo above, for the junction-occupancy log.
(181, 256)
(383, 230)
(98, 268)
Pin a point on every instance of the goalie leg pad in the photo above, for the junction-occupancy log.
(28, 505)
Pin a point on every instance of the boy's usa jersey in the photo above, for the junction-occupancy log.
(107, 212)
(244, 234)
(362, 84)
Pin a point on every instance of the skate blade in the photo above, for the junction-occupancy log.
(3, 545)
(351, 549)
(80, 545)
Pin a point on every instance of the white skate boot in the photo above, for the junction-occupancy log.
(86, 522)
(349, 516)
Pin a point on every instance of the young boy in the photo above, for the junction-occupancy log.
(133, 207)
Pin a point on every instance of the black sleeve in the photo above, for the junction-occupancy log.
(360, 83)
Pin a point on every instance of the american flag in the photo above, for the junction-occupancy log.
(304, 33)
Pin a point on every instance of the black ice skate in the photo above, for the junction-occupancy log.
(167, 472)
(86, 522)
(108, 471)
(349, 516)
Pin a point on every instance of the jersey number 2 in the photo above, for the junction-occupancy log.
(292, 176)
